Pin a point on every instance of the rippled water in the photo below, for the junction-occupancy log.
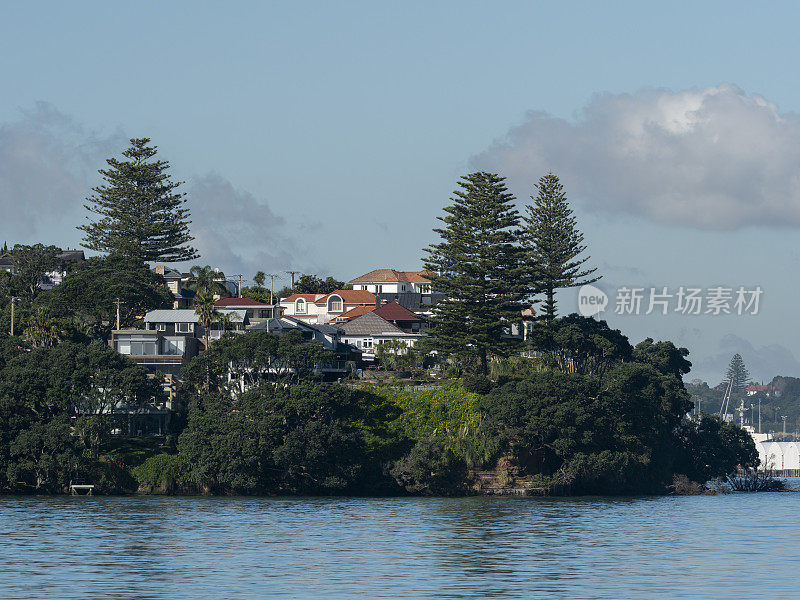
(732, 546)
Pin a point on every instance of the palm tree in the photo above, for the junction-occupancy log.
(206, 311)
(228, 320)
(207, 279)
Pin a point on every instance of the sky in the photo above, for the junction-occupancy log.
(327, 137)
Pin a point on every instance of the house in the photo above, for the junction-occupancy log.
(389, 281)
(397, 315)
(176, 283)
(325, 308)
(410, 289)
(369, 330)
(254, 310)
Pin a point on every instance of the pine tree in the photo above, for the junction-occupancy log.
(140, 212)
(478, 261)
(553, 244)
(738, 373)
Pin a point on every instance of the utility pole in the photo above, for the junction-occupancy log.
(292, 273)
(118, 302)
(759, 415)
(239, 288)
(784, 417)
(272, 288)
(13, 300)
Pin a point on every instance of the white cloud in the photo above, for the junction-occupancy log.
(713, 158)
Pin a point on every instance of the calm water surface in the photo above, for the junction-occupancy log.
(732, 546)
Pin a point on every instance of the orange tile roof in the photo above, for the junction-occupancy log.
(357, 311)
(392, 276)
(350, 297)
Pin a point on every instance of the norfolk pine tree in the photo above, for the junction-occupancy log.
(553, 244)
(738, 374)
(140, 212)
(479, 266)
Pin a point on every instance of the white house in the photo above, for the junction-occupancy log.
(389, 281)
(325, 308)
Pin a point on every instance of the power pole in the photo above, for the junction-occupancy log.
(272, 288)
(13, 300)
(784, 417)
(292, 273)
(118, 302)
(759, 415)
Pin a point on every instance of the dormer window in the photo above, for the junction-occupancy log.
(335, 304)
(300, 306)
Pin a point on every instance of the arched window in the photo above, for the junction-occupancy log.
(335, 304)
(300, 306)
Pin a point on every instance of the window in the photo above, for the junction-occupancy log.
(143, 348)
(300, 306)
(174, 346)
(368, 343)
(378, 289)
(183, 327)
(161, 326)
(335, 304)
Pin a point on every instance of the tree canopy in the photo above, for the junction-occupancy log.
(479, 266)
(138, 211)
(553, 243)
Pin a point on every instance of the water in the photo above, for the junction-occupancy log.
(731, 546)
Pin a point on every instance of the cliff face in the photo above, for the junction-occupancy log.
(505, 480)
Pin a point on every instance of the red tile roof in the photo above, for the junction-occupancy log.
(394, 312)
(231, 302)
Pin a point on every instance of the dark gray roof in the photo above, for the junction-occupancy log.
(369, 324)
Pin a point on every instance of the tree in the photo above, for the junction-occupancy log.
(206, 312)
(207, 279)
(479, 266)
(31, 266)
(553, 244)
(90, 292)
(140, 213)
(259, 279)
(738, 374)
(311, 284)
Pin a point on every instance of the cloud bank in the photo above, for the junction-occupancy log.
(235, 231)
(49, 162)
(713, 158)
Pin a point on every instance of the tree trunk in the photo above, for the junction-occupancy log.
(483, 365)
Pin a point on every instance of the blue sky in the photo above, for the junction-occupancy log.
(328, 136)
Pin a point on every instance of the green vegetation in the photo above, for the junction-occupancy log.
(480, 270)
(589, 414)
(139, 212)
(553, 243)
